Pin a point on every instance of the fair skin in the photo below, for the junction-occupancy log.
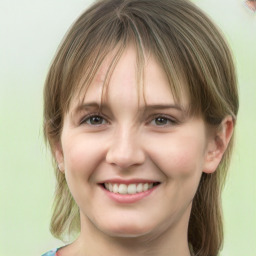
(130, 142)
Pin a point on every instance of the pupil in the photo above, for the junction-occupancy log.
(161, 121)
(96, 120)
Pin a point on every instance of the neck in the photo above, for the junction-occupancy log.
(172, 241)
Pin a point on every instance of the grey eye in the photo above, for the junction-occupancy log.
(95, 120)
(161, 121)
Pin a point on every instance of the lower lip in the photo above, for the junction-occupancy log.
(128, 198)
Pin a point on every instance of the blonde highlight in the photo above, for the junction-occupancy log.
(196, 60)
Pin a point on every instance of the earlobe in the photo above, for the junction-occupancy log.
(59, 157)
(218, 144)
(61, 167)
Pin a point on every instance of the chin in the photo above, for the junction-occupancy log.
(127, 230)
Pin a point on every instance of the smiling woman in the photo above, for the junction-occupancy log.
(140, 105)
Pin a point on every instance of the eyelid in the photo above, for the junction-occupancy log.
(87, 116)
(151, 118)
(173, 120)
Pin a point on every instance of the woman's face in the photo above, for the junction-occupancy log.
(133, 168)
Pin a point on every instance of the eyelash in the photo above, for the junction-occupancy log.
(87, 117)
(169, 119)
(151, 119)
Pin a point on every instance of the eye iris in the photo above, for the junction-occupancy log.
(161, 121)
(96, 120)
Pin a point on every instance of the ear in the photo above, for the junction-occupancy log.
(59, 157)
(217, 144)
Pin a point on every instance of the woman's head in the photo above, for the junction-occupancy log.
(197, 64)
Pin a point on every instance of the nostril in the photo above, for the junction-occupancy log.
(125, 160)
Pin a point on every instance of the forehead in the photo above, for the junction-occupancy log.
(147, 84)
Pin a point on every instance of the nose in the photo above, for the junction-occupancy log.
(125, 150)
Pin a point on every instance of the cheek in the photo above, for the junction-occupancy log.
(82, 154)
(181, 157)
(181, 162)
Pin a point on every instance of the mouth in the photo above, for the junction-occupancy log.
(129, 189)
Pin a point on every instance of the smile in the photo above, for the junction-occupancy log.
(125, 189)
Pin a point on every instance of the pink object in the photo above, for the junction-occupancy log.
(128, 198)
(251, 4)
(128, 181)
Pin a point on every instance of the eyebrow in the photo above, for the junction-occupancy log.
(145, 108)
(89, 105)
(163, 106)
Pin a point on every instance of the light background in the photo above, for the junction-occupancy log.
(30, 31)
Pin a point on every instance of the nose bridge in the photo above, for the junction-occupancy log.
(125, 148)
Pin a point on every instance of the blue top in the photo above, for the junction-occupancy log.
(51, 253)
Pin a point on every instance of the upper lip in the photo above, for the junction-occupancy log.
(129, 181)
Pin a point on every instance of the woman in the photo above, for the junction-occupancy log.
(140, 105)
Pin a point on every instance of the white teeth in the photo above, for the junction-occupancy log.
(131, 189)
(115, 188)
(145, 187)
(140, 187)
(122, 189)
(128, 189)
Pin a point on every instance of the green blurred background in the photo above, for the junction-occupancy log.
(30, 31)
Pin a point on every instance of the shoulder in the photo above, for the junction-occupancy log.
(51, 253)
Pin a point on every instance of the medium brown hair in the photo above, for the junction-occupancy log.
(194, 56)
